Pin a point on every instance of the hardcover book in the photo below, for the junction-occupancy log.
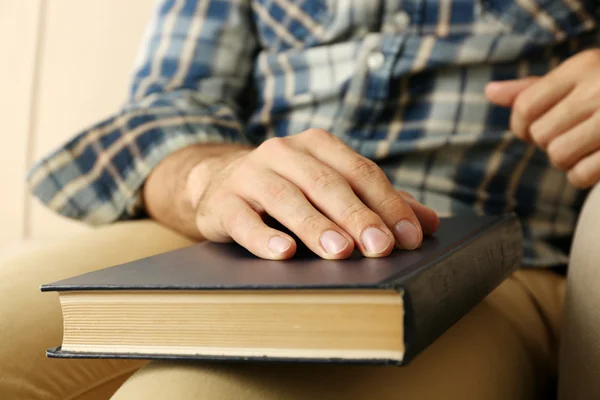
(219, 302)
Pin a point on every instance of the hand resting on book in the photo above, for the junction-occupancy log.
(312, 183)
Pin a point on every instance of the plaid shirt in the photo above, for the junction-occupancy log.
(400, 81)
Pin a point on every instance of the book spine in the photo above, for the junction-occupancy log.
(455, 283)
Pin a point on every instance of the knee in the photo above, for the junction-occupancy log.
(183, 380)
(27, 316)
(31, 321)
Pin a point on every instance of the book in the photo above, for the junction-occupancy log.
(219, 302)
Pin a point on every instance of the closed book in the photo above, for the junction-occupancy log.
(219, 302)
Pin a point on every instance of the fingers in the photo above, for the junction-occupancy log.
(285, 202)
(573, 145)
(241, 223)
(504, 93)
(313, 184)
(557, 113)
(566, 114)
(529, 98)
(331, 194)
(535, 101)
(371, 186)
(544, 107)
(428, 218)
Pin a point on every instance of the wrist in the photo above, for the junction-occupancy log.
(200, 175)
(196, 182)
(172, 190)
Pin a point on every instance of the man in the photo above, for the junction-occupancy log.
(349, 122)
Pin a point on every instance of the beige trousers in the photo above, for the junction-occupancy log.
(505, 348)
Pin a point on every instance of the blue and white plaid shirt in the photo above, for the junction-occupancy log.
(401, 81)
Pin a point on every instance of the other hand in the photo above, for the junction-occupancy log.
(559, 112)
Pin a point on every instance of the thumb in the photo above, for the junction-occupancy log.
(504, 93)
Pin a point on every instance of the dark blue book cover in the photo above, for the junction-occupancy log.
(440, 282)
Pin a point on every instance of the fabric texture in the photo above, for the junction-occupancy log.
(504, 349)
(400, 81)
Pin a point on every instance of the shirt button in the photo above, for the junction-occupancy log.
(375, 61)
(401, 21)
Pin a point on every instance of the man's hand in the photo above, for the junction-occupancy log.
(560, 112)
(312, 183)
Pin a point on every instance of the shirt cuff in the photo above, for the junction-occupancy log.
(97, 176)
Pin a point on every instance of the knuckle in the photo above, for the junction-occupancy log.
(356, 214)
(588, 57)
(364, 169)
(557, 156)
(317, 134)
(542, 138)
(274, 145)
(311, 223)
(523, 108)
(589, 95)
(251, 234)
(569, 107)
(584, 98)
(231, 221)
(278, 192)
(560, 163)
(326, 180)
(392, 203)
(515, 125)
(406, 194)
(580, 177)
(539, 138)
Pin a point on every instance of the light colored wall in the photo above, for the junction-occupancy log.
(69, 63)
(19, 21)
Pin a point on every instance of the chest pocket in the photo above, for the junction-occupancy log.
(544, 20)
(285, 24)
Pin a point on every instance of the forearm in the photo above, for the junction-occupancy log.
(167, 196)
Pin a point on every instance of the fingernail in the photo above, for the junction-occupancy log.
(333, 242)
(375, 240)
(407, 235)
(278, 244)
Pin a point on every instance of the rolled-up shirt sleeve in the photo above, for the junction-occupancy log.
(193, 69)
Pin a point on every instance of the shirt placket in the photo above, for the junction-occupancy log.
(370, 88)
